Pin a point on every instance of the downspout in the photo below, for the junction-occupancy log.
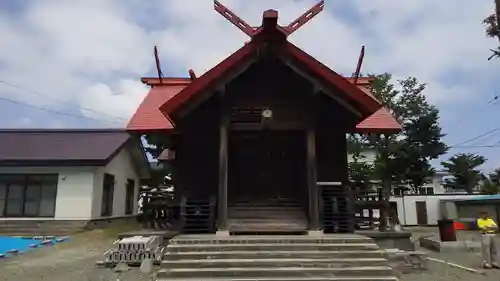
(404, 207)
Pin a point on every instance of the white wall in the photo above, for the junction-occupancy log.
(79, 189)
(435, 182)
(122, 168)
(74, 190)
(407, 211)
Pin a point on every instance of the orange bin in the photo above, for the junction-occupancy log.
(459, 225)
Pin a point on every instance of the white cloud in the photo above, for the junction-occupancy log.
(114, 105)
(93, 53)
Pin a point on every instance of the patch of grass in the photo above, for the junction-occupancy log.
(115, 229)
(109, 233)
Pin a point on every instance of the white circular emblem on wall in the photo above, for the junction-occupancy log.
(267, 113)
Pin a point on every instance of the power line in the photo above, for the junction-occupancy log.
(57, 100)
(493, 100)
(477, 137)
(478, 146)
(459, 121)
(55, 111)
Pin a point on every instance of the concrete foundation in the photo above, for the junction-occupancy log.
(222, 233)
(315, 233)
(390, 240)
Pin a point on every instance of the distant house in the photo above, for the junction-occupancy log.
(69, 175)
(422, 206)
(471, 206)
(433, 186)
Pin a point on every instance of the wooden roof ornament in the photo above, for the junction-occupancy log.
(304, 18)
(158, 67)
(233, 18)
(269, 18)
(192, 75)
(360, 63)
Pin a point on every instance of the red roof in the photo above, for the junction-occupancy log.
(366, 103)
(381, 121)
(148, 116)
(167, 97)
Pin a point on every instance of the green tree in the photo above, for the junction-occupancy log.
(495, 176)
(491, 183)
(493, 28)
(464, 171)
(360, 171)
(403, 158)
(406, 155)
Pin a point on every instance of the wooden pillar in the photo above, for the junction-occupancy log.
(223, 169)
(312, 180)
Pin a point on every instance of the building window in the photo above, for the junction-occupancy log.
(129, 197)
(108, 189)
(32, 195)
(426, 191)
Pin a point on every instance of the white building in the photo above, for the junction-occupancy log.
(69, 175)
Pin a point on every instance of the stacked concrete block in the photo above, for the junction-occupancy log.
(133, 250)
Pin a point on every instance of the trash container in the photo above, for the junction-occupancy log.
(447, 231)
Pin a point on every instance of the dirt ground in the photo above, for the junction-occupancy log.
(76, 261)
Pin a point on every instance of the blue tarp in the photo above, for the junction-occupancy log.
(8, 243)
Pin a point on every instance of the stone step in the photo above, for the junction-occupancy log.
(34, 227)
(263, 209)
(266, 200)
(249, 209)
(284, 254)
(283, 262)
(270, 239)
(256, 272)
(305, 278)
(267, 227)
(265, 204)
(271, 247)
(270, 222)
(36, 232)
(266, 215)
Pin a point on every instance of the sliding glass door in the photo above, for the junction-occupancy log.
(31, 195)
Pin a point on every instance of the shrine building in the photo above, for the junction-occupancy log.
(263, 133)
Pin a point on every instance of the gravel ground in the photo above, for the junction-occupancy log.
(438, 271)
(74, 260)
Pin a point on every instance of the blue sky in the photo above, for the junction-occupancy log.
(69, 56)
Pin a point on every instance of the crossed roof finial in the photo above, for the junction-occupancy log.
(251, 31)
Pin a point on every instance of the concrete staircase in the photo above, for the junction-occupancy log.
(266, 216)
(40, 227)
(341, 257)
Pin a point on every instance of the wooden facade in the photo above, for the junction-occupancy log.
(227, 148)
